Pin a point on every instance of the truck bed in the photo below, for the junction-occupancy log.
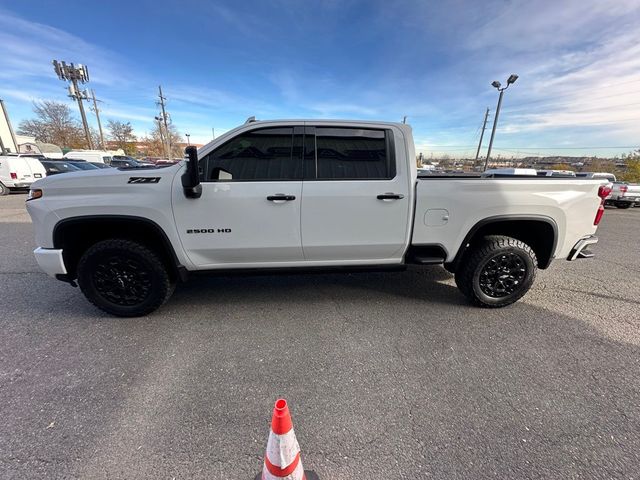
(448, 207)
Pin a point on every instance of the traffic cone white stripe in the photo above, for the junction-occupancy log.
(297, 474)
(282, 450)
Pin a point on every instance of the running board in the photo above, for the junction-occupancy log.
(420, 260)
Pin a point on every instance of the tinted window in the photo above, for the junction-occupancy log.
(258, 155)
(353, 153)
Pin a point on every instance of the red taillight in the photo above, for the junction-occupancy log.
(14, 176)
(604, 191)
(623, 188)
(599, 214)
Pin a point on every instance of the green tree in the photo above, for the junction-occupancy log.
(632, 173)
(121, 135)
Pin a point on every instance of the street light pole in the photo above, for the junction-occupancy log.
(188, 141)
(512, 79)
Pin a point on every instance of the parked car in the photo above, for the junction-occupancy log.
(624, 195)
(82, 164)
(18, 172)
(126, 162)
(89, 155)
(54, 167)
(349, 199)
(509, 172)
(596, 175)
(556, 173)
(100, 165)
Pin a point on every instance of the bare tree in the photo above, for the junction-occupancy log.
(121, 134)
(154, 142)
(54, 124)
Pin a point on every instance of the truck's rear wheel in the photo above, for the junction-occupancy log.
(497, 272)
(623, 204)
(3, 190)
(124, 278)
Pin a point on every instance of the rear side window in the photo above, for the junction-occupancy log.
(353, 154)
(106, 160)
(259, 155)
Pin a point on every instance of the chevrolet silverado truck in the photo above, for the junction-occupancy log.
(286, 196)
(623, 195)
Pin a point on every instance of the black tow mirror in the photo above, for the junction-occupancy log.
(191, 178)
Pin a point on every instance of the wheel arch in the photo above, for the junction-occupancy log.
(540, 232)
(75, 234)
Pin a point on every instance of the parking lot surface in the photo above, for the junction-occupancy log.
(388, 375)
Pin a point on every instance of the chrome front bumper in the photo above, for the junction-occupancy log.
(579, 250)
(50, 260)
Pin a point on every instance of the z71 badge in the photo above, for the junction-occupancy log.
(143, 179)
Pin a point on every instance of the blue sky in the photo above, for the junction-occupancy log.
(222, 61)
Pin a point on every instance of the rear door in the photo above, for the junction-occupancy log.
(249, 212)
(36, 168)
(19, 168)
(356, 200)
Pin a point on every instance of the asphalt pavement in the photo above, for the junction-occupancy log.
(388, 375)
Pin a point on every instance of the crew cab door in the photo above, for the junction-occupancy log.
(249, 212)
(356, 199)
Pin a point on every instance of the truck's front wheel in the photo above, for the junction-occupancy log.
(123, 278)
(497, 272)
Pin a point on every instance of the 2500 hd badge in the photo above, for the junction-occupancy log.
(209, 230)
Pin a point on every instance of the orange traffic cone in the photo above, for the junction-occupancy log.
(282, 459)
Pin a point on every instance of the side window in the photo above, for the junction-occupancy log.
(259, 155)
(353, 154)
(106, 160)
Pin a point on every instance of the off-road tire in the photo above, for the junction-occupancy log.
(4, 190)
(494, 249)
(137, 270)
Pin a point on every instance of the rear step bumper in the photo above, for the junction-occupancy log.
(579, 250)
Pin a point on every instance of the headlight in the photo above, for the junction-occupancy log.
(34, 193)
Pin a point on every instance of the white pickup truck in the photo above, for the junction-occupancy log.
(299, 196)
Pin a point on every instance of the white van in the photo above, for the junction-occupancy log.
(19, 172)
(99, 156)
(509, 172)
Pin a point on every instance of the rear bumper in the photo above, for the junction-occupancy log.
(579, 250)
(50, 260)
(20, 185)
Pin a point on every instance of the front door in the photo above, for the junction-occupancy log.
(249, 212)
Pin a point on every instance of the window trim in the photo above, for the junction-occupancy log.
(294, 133)
(392, 166)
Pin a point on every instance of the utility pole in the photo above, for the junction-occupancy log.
(95, 108)
(164, 120)
(164, 144)
(512, 79)
(484, 125)
(73, 74)
(213, 134)
(10, 127)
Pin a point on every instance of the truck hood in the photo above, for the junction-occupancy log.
(104, 181)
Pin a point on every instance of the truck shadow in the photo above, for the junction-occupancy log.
(419, 283)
